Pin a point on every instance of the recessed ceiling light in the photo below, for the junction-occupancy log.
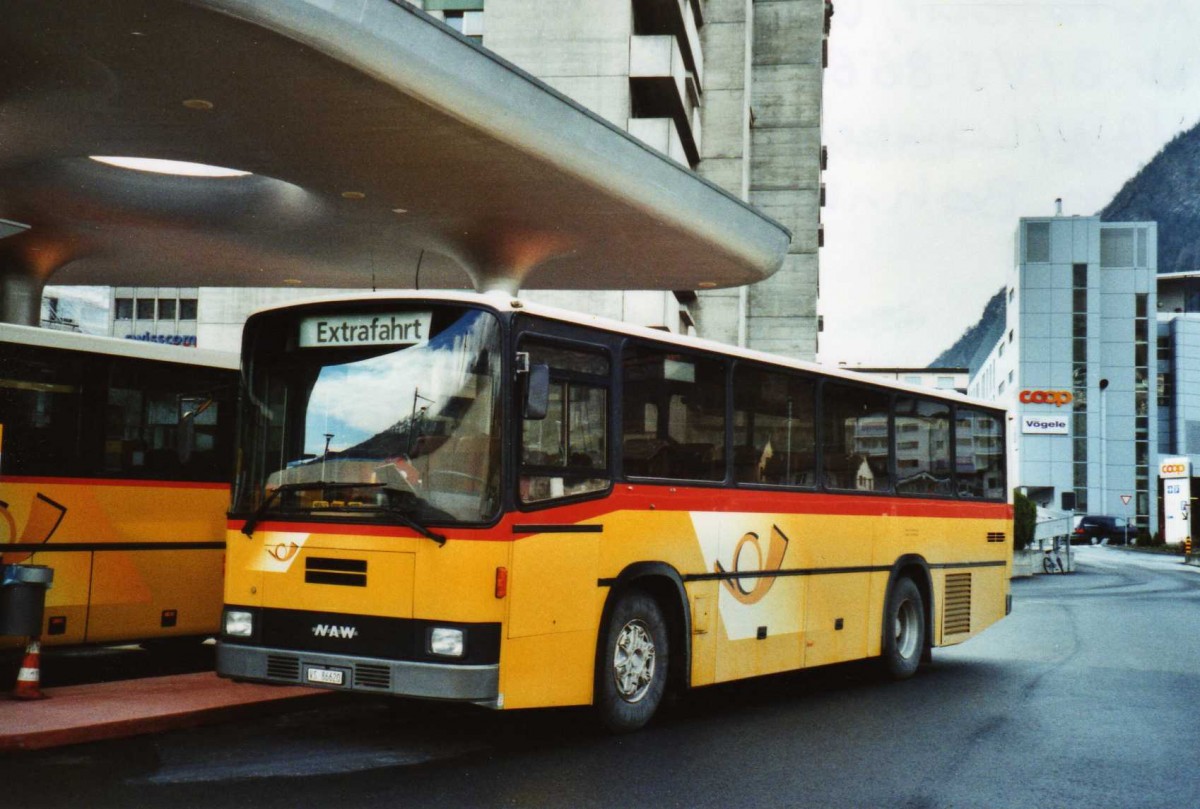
(179, 168)
(198, 104)
(399, 210)
(353, 195)
(707, 284)
(292, 282)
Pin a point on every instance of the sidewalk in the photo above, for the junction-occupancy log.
(88, 713)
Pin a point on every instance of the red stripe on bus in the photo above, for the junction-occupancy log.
(161, 484)
(640, 497)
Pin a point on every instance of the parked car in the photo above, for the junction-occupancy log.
(1095, 529)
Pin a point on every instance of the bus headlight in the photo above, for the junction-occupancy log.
(239, 623)
(446, 642)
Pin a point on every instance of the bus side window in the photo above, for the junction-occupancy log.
(674, 415)
(923, 446)
(565, 454)
(774, 427)
(41, 404)
(856, 438)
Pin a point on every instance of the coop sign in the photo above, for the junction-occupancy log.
(1173, 468)
(1058, 398)
(344, 331)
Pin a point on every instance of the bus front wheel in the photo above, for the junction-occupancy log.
(632, 675)
(904, 630)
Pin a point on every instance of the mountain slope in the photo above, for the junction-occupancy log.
(972, 348)
(1167, 191)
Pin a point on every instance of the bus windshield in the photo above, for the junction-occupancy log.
(373, 415)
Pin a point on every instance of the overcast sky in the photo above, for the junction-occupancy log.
(947, 120)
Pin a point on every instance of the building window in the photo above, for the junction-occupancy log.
(166, 308)
(124, 309)
(187, 309)
(145, 308)
(945, 382)
(1116, 247)
(1141, 401)
(1037, 242)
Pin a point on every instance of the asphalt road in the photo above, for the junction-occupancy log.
(1087, 695)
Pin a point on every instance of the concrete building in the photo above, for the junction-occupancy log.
(1074, 365)
(730, 88)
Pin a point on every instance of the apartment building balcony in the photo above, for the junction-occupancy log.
(678, 18)
(661, 86)
(660, 134)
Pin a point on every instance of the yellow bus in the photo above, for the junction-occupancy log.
(115, 459)
(475, 498)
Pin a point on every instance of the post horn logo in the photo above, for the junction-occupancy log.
(284, 552)
(776, 549)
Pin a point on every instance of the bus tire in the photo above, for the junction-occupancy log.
(635, 659)
(904, 638)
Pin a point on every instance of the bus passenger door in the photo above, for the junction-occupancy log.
(551, 643)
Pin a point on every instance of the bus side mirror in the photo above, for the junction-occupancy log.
(185, 439)
(537, 392)
(185, 435)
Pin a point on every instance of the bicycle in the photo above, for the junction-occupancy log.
(1052, 561)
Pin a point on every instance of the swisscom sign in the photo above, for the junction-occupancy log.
(1042, 423)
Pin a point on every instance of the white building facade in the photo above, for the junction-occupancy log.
(1077, 368)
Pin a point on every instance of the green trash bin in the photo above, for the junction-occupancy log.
(23, 598)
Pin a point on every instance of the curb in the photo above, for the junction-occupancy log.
(101, 711)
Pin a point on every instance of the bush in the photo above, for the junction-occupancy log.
(1024, 521)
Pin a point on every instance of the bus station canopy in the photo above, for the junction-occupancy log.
(380, 149)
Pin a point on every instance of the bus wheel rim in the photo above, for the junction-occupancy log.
(906, 629)
(633, 661)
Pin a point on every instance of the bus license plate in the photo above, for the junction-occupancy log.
(326, 676)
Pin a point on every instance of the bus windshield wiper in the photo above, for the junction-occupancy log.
(399, 513)
(408, 519)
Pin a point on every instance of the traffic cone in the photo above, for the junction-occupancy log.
(30, 675)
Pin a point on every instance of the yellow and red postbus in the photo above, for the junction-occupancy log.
(475, 498)
(115, 459)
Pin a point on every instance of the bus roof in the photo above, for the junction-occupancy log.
(506, 303)
(116, 347)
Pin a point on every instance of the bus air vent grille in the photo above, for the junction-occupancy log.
(368, 676)
(282, 667)
(996, 536)
(956, 617)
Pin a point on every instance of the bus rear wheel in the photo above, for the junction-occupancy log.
(632, 676)
(904, 638)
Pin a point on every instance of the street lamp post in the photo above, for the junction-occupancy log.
(1103, 451)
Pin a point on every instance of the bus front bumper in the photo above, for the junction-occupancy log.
(479, 684)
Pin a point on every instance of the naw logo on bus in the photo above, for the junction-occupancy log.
(330, 631)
